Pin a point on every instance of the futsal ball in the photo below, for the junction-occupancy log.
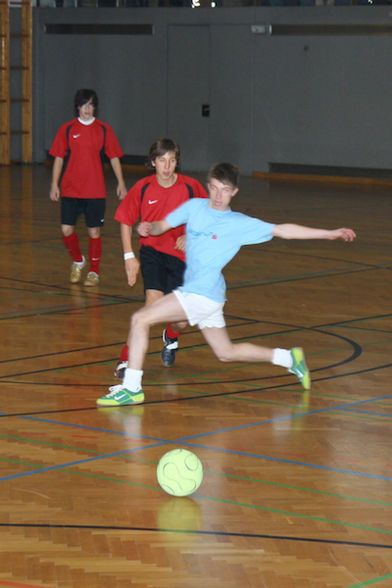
(179, 472)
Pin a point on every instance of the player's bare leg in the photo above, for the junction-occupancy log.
(167, 353)
(225, 350)
(130, 391)
(165, 309)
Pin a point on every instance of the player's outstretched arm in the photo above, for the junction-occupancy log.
(292, 231)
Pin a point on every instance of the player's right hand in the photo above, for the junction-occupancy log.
(54, 194)
(132, 270)
(144, 228)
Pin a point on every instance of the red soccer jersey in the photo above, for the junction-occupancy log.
(81, 146)
(148, 201)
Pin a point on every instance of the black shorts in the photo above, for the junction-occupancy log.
(92, 208)
(160, 271)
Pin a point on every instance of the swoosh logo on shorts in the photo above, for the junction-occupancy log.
(152, 201)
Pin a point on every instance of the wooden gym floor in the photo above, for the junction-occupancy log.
(297, 490)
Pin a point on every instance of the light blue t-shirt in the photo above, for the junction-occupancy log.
(213, 237)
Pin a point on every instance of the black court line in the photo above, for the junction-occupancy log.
(91, 348)
(369, 330)
(86, 306)
(70, 289)
(51, 241)
(322, 274)
(195, 397)
(357, 350)
(230, 286)
(194, 532)
(354, 320)
(361, 264)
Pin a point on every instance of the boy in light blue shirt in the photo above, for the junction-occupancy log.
(214, 234)
(213, 238)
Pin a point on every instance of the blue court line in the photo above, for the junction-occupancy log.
(284, 418)
(80, 461)
(87, 428)
(382, 414)
(198, 446)
(289, 461)
(185, 441)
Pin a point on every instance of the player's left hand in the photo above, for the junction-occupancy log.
(121, 191)
(180, 243)
(344, 234)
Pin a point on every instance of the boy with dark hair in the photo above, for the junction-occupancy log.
(214, 234)
(162, 258)
(78, 147)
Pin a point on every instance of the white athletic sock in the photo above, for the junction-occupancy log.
(133, 379)
(80, 263)
(282, 357)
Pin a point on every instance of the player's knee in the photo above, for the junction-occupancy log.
(94, 232)
(66, 230)
(225, 355)
(139, 319)
(136, 319)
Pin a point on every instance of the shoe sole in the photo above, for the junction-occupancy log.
(110, 404)
(306, 381)
(75, 279)
(167, 363)
(136, 398)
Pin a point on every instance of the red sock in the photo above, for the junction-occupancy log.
(72, 244)
(124, 353)
(95, 253)
(172, 334)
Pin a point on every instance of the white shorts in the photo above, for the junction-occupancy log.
(201, 311)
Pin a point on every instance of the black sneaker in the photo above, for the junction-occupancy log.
(168, 354)
(120, 368)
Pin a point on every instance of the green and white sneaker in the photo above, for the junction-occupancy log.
(120, 396)
(299, 367)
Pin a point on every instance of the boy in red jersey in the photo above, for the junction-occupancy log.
(162, 258)
(80, 145)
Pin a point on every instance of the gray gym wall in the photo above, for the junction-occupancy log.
(307, 97)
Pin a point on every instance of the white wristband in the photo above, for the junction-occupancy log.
(129, 255)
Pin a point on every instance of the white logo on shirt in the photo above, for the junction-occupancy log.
(75, 136)
(152, 201)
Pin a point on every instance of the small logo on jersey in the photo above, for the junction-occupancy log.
(75, 136)
(202, 234)
(152, 201)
